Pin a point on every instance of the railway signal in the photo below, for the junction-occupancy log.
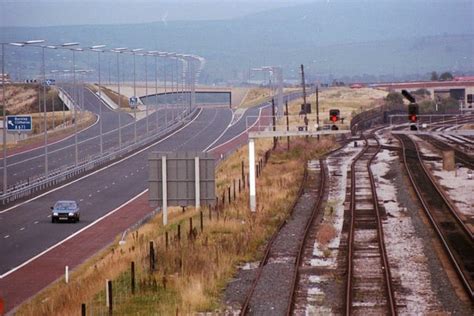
(412, 109)
(334, 115)
(413, 112)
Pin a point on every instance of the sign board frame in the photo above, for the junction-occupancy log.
(183, 170)
(19, 123)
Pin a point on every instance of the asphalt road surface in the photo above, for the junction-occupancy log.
(24, 165)
(26, 229)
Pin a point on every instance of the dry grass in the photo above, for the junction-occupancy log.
(348, 101)
(113, 95)
(191, 274)
(255, 96)
(85, 120)
(25, 99)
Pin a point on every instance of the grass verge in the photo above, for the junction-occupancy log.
(192, 268)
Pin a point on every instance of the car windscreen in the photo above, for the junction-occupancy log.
(65, 206)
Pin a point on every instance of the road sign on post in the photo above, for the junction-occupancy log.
(181, 179)
(49, 82)
(19, 123)
(133, 101)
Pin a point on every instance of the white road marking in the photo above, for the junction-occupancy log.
(237, 136)
(36, 222)
(23, 228)
(49, 215)
(71, 236)
(81, 200)
(49, 144)
(106, 167)
(6, 236)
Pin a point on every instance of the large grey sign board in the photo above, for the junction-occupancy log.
(180, 189)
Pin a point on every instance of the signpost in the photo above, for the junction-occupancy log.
(49, 82)
(19, 123)
(133, 101)
(181, 179)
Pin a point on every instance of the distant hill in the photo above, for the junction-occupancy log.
(334, 38)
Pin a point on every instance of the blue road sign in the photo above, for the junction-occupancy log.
(49, 82)
(19, 123)
(133, 101)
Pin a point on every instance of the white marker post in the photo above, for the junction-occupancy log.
(107, 303)
(66, 274)
(197, 183)
(165, 191)
(253, 197)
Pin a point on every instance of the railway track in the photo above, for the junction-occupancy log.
(272, 292)
(456, 239)
(369, 289)
(459, 155)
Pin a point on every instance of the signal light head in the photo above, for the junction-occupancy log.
(413, 118)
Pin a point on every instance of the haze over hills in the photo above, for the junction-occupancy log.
(381, 39)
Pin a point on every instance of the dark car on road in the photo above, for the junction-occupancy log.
(65, 211)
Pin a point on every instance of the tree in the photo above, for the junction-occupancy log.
(427, 106)
(448, 105)
(434, 76)
(446, 76)
(394, 99)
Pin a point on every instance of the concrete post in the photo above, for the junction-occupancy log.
(165, 191)
(253, 197)
(196, 182)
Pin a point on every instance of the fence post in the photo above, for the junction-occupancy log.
(240, 187)
(83, 309)
(167, 240)
(243, 173)
(66, 274)
(190, 228)
(179, 233)
(110, 297)
(234, 189)
(202, 223)
(152, 257)
(132, 277)
(228, 194)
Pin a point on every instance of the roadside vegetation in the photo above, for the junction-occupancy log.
(113, 95)
(192, 271)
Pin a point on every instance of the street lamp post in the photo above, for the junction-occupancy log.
(134, 51)
(119, 51)
(154, 54)
(4, 106)
(146, 91)
(97, 48)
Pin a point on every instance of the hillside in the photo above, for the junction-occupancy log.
(331, 38)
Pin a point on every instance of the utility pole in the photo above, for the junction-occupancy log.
(287, 123)
(304, 98)
(274, 123)
(317, 107)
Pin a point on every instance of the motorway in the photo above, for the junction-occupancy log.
(24, 165)
(26, 228)
(27, 236)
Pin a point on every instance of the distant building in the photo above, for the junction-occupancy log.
(357, 86)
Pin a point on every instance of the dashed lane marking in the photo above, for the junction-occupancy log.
(106, 167)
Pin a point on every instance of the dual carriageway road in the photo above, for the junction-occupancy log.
(27, 235)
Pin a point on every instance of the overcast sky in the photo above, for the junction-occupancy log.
(73, 12)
